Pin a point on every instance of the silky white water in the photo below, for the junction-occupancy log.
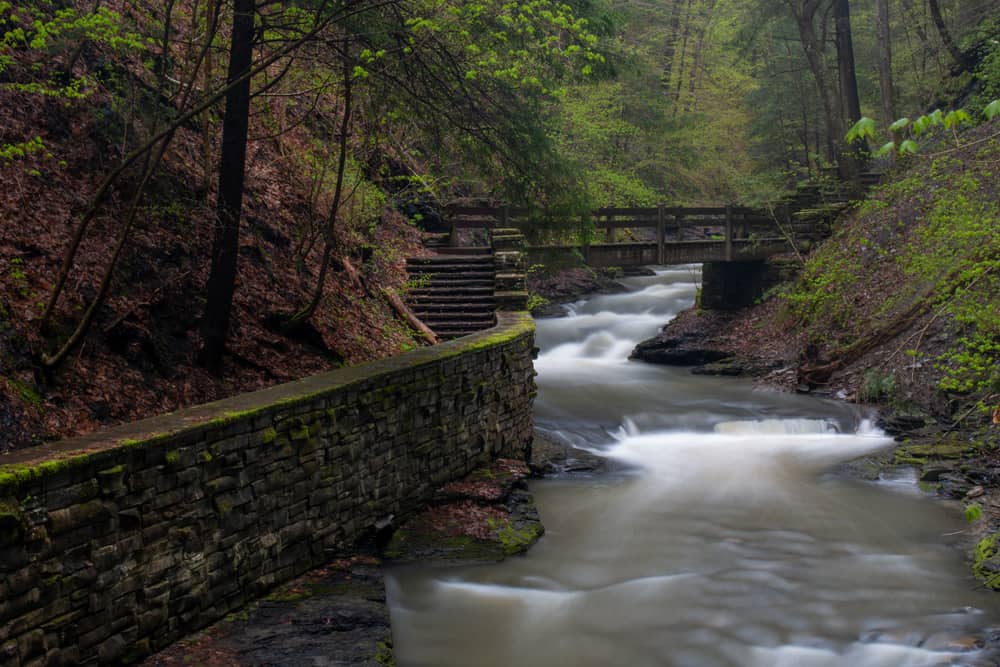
(722, 536)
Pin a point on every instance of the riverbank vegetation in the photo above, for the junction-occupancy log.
(205, 197)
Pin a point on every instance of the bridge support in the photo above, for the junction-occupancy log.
(732, 285)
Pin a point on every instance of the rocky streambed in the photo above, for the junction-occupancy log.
(951, 462)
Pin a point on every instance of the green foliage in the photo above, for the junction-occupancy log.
(536, 301)
(985, 551)
(864, 129)
(877, 387)
(18, 278)
(31, 28)
(973, 512)
(19, 150)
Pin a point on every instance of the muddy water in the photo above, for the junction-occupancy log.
(723, 536)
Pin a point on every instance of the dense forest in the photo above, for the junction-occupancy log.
(204, 197)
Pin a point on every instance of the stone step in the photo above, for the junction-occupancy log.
(445, 326)
(442, 269)
(432, 279)
(510, 282)
(458, 325)
(436, 307)
(458, 251)
(433, 291)
(449, 298)
(438, 280)
(449, 260)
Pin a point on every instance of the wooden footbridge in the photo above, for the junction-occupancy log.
(646, 236)
(458, 287)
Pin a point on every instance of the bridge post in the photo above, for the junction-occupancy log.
(609, 231)
(661, 234)
(729, 233)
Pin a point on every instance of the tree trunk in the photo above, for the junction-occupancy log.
(845, 62)
(850, 161)
(229, 207)
(884, 38)
(804, 13)
(949, 42)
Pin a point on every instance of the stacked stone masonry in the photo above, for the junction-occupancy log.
(115, 545)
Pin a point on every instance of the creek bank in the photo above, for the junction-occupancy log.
(487, 516)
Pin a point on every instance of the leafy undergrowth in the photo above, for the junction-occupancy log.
(902, 305)
(139, 357)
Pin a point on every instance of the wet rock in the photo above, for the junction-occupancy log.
(728, 367)
(946, 641)
(921, 452)
(678, 350)
(954, 485)
(553, 456)
(897, 636)
(486, 517)
(932, 473)
(896, 424)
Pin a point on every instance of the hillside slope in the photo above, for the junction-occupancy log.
(901, 307)
(139, 357)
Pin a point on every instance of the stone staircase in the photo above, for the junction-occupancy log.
(458, 290)
(454, 292)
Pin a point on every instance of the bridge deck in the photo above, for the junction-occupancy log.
(659, 235)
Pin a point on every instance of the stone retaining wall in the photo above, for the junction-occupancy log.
(114, 545)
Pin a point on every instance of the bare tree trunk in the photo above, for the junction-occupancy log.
(850, 162)
(232, 167)
(949, 41)
(884, 37)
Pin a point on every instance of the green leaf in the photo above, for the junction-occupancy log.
(886, 149)
(863, 129)
(908, 147)
(992, 109)
(921, 125)
(973, 512)
(956, 118)
(899, 125)
(936, 117)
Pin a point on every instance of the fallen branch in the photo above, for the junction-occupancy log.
(354, 275)
(404, 312)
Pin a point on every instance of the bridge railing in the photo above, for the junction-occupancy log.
(726, 226)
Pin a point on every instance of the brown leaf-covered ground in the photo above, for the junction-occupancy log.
(139, 357)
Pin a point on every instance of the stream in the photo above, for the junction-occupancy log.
(723, 534)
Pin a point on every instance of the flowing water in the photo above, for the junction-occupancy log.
(723, 536)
